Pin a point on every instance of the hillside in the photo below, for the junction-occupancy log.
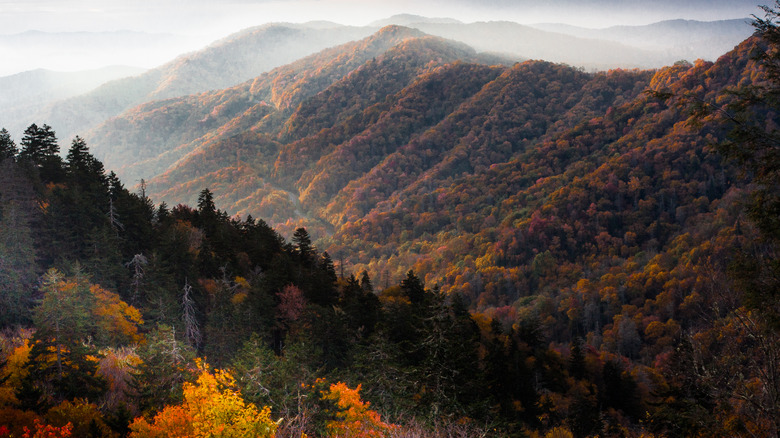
(271, 103)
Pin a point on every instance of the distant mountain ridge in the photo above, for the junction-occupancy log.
(687, 39)
(250, 52)
(410, 20)
(30, 92)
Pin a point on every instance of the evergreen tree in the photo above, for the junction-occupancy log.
(577, 359)
(18, 270)
(166, 365)
(303, 246)
(7, 145)
(207, 212)
(365, 283)
(85, 170)
(40, 148)
(413, 288)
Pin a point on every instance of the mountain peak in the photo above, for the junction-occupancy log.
(397, 31)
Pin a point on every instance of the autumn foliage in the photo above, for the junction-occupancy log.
(353, 419)
(212, 407)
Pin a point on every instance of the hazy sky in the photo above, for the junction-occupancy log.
(223, 16)
(203, 21)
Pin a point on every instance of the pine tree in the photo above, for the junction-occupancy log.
(84, 169)
(208, 216)
(40, 148)
(303, 245)
(577, 359)
(7, 145)
(365, 283)
(413, 288)
(18, 270)
(166, 365)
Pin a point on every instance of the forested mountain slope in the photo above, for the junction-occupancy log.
(252, 51)
(472, 174)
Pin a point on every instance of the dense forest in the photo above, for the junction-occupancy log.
(534, 251)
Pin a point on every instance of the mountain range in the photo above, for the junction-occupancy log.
(251, 52)
(409, 150)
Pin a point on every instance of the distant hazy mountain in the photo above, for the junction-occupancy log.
(30, 92)
(409, 19)
(649, 46)
(517, 40)
(145, 141)
(224, 63)
(684, 39)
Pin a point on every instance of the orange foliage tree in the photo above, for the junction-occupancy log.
(354, 418)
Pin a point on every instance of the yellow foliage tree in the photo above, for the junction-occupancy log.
(13, 373)
(212, 408)
(115, 319)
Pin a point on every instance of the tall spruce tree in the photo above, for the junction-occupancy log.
(7, 145)
(41, 150)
